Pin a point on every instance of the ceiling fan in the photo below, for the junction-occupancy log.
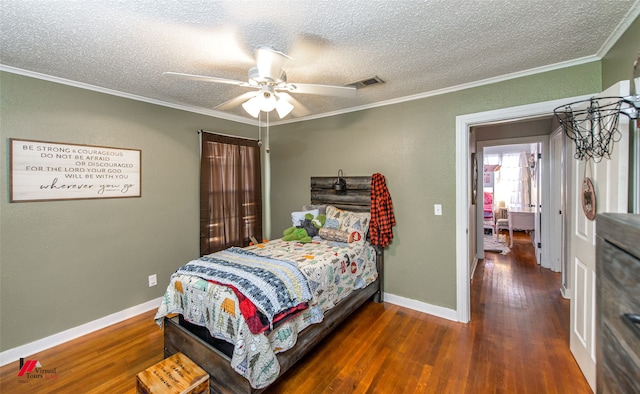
(269, 78)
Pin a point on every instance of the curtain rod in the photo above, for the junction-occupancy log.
(227, 135)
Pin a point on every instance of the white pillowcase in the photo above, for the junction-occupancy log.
(298, 217)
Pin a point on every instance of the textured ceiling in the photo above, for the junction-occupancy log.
(417, 47)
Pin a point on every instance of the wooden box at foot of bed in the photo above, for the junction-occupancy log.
(214, 355)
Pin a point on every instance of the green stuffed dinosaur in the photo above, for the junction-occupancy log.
(307, 229)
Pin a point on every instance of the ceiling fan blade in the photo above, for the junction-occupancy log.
(207, 78)
(234, 102)
(327, 90)
(299, 110)
(270, 62)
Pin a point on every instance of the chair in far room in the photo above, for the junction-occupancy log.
(502, 219)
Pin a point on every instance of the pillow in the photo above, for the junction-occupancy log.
(356, 221)
(321, 208)
(331, 234)
(348, 221)
(332, 217)
(298, 217)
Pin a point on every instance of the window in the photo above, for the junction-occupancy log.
(230, 192)
(512, 182)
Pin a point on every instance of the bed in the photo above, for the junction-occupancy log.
(245, 354)
(488, 206)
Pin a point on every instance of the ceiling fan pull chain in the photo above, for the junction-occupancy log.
(260, 129)
(267, 149)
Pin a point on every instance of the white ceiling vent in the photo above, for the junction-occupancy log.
(367, 82)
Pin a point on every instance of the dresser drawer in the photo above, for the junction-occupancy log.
(620, 293)
(619, 276)
(619, 371)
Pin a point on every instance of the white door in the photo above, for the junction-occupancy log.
(610, 180)
(556, 207)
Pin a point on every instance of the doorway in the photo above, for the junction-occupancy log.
(613, 178)
(518, 183)
(464, 230)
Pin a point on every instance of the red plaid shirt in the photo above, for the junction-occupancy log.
(382, 218)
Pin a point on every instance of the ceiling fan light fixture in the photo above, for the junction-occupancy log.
(252, 106)
(283, 107)
(267, 101)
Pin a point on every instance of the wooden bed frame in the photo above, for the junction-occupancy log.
(223, 379)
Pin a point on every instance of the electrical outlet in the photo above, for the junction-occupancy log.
(437, 209)
(153, 280)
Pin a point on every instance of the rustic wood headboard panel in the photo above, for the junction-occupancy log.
(356, 198)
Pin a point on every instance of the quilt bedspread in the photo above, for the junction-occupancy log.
(333, 270)
(272, 285)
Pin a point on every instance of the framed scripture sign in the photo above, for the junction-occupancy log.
(43, 171)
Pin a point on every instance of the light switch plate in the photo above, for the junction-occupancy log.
(437, 209)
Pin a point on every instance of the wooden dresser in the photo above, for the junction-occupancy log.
(618, 303)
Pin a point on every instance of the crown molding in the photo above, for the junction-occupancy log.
(243, 120)
(629, 18)
(112, 92)
(438, 92)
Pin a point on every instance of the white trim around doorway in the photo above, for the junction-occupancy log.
(463, 124)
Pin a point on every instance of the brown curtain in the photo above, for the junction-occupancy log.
(230, 192)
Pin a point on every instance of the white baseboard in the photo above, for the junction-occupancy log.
(11, 355)
(473, 267)
(566, 293)
(420, 306)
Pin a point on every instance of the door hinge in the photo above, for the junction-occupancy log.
(539, 245)
(539, 155)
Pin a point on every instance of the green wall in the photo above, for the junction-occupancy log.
(413, 145)
(66, 263)
(617, 65)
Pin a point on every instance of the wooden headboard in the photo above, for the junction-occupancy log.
(356, 198)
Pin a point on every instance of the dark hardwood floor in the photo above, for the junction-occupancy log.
(517, 342)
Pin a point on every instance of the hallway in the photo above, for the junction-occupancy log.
(518, 310)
